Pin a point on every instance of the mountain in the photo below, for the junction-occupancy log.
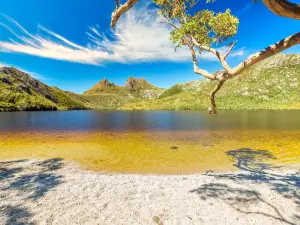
(19, 91)
(140, 83)
(107, 95)
(271, 84)
(101, 86)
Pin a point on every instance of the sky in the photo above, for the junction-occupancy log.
(69, 44)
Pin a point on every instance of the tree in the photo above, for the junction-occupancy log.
(121, 9)
(203, 30)
(283, 8)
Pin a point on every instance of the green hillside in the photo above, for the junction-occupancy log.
(107, 95)
(19, 91)
(270, 84)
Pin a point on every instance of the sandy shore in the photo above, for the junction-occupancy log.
(57, 192)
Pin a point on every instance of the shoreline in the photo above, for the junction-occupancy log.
(54, 191)
(181, 152)
(149, 110)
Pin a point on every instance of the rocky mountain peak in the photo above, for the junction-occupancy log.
(137, 83)
(105, 83)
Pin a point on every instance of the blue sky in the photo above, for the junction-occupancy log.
(69, 44)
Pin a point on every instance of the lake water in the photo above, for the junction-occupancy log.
(148, 120)
(159, 142)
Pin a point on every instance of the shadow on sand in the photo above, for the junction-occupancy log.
(251, 162)
(31, 180)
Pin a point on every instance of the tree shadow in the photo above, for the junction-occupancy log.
(32, 180)
(15, 215)
(8, 173)
(40, 182)
(254, 168)
(239, 199)
(252, 161)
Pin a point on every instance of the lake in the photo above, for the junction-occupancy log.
(148, 120)
(147, 142)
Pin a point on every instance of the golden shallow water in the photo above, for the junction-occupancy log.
(159, 152)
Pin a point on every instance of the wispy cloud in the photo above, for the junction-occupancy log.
(245, 8)
(138, 37)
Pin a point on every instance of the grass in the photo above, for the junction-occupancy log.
(271, 84)
(21, 92)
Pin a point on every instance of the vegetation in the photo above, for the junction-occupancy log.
(106, 95)
(283, 8)
(19, 91)
(108, 100)
(202, 31)
(271, 84)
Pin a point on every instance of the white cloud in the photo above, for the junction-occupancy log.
(138, 37)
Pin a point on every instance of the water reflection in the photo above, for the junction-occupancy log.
(149, 120)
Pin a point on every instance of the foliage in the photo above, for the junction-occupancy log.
(171, 91)
(270, 84)
(19, 91)
(206, 26)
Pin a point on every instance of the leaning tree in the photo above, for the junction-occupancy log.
(202, 30)
(283, 8)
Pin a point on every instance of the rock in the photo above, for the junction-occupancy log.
(105, 83)
(137, 83)
(151, 94)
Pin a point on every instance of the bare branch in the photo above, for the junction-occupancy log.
(118, 4)
(266, 53)
(229, 73)
(197, 70)
(284, 8)
(230, 49)
(169, 22)
(215, 52)
(121, 10)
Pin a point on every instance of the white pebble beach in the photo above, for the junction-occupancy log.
(59, 192)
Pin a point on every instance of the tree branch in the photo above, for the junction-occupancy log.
(230, 49)
(283, 8)
(266, 53)
(230, 73)
(170, 23)
(120, 10)
(215, 52)
(197, 70)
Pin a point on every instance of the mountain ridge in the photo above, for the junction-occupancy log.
(21, 92)
(271, 84)
(132, 84)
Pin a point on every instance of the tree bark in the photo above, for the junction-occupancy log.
(213, 109)
(232, 72)
(279, 7)
(266, 53)
(284, 8)
(120, 10)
